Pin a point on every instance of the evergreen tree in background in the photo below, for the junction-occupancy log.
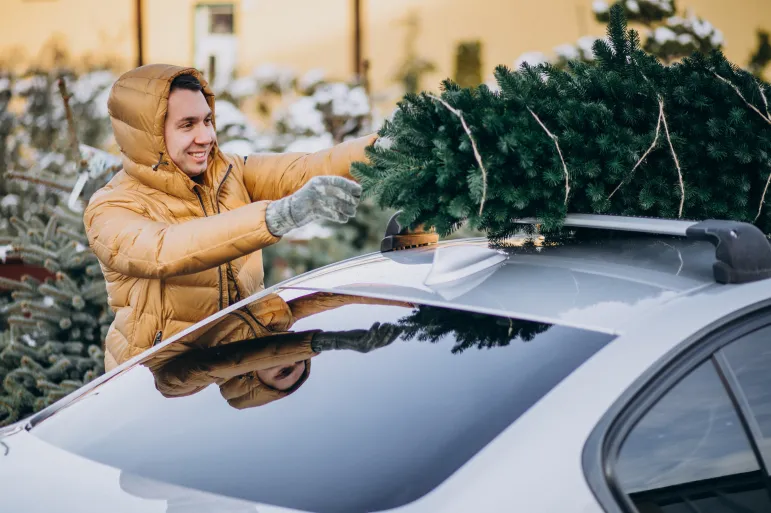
(412, 67)
(468, 64)
(668, 35)
(51, 328)
(762, 54)
(626, 136)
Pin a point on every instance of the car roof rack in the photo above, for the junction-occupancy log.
(397, 238)
(658, 226)
(743, 252)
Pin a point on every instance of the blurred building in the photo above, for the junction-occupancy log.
(232, 37)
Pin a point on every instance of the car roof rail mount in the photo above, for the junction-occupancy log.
(742, 250)
(397, 238)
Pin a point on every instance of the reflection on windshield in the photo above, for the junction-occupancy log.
(429, 323)
(255, 360)
(398, 400)
(252, 356)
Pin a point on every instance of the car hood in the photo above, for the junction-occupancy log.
(72, 483)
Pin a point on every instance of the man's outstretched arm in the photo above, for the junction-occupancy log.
(274, 176)
(127, 241)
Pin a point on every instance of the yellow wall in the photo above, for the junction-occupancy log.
(308, 34)
(102, 28)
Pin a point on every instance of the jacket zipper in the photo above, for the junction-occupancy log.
(232, 275)
(219, 268)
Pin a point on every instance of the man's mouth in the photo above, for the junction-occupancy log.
(199, 156)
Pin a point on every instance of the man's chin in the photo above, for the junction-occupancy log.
(194, 170)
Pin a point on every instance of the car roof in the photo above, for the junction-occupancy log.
(595, 283)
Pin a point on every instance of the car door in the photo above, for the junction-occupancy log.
(697, 437)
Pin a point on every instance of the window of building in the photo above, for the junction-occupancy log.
(221, 19)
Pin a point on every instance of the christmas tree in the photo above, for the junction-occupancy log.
(627, 135)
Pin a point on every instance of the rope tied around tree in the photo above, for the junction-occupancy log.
(473, 145)
(766, 118)
(557, 144)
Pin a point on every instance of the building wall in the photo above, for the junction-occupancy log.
(308, 34)
(101, 28)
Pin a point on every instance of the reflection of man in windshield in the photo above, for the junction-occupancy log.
(256, 367)
(282, 377)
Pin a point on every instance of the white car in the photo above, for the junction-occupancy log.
(625, 367)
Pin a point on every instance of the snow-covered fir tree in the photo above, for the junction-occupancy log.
(51, 328)
(666, 34)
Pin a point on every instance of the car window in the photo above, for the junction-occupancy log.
(691, 453)
(399, 397)
(750, 361)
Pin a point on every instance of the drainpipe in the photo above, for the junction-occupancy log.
(140, 49)
(357, 40)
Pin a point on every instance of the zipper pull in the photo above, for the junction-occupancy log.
(157, 338)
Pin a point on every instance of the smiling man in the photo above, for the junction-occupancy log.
(178, 232)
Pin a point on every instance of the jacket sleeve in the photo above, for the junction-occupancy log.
(127, 241)
(195, 370)
(274, 176)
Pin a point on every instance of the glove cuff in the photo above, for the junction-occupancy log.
(320, 342)
(278, 217)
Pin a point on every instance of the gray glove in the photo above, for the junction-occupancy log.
(363, 341)
(333, 198)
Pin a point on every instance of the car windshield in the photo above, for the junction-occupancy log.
(399, 397)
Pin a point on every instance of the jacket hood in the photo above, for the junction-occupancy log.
(137, 105)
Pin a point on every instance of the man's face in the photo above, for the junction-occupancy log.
(189, 131)
(282, 377)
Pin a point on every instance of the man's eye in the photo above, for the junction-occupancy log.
(207, 121)
(187, 126)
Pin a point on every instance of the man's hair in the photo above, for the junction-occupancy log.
(188, 82)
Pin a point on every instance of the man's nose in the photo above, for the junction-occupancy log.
(204, 135)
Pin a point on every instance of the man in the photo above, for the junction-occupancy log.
(178, 232)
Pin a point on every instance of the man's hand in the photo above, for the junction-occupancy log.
(363, 341)
(333, 198)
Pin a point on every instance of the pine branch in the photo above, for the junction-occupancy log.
(74, 149)
(15, 175)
